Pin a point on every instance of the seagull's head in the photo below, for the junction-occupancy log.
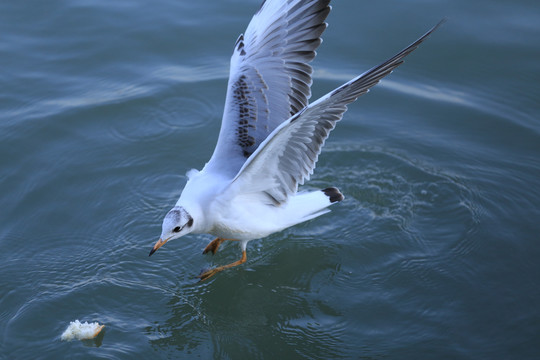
(178, 222)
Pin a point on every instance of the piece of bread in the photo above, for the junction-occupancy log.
(81, 331)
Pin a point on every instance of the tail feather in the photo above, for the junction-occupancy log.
(333, 194)
(309, 205)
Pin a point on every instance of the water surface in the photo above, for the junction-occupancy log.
(434, 253)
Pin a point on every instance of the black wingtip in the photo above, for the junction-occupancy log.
(442, 21)
(333, 194)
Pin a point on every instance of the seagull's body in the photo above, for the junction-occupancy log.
(231, 213)
(270, 136)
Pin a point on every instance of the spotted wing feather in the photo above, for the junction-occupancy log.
(288, 156)
(270, 77)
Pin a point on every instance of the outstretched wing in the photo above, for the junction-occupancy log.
(270, 78)
(288, 156)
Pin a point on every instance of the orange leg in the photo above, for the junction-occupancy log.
(209, 273)
(213, 246)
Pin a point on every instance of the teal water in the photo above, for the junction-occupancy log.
(105, 105)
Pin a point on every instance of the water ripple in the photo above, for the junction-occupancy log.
(413, 220)
(160, 116)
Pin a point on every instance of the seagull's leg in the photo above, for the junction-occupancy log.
(213, 246)
(209, 273)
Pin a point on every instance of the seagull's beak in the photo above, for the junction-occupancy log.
(158, 244)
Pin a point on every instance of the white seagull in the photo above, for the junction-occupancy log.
(270, 136)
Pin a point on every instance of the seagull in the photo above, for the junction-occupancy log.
(270, 136)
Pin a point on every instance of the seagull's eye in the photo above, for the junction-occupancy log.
(176, 229)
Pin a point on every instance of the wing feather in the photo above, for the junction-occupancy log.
(270, 77)
(288, 156)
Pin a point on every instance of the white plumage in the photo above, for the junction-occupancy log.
(270, 136)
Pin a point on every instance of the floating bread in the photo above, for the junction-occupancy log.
(81, 331)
